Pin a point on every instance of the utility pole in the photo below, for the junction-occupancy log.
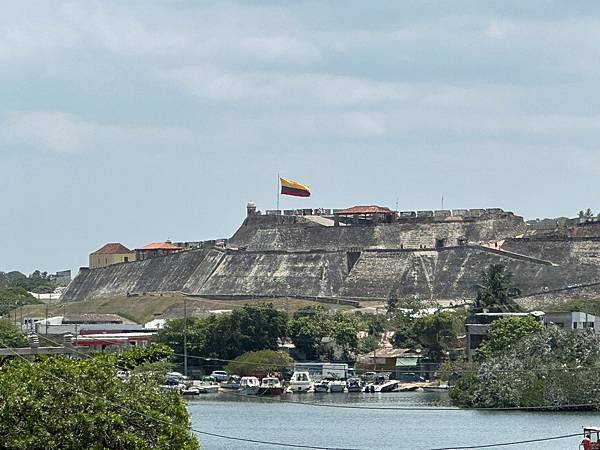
(46, 318)
(185, 368)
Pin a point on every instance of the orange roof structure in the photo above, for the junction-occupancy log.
(370, 209)
(160, 246)
(113, 248)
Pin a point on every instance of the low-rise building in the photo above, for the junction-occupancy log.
(156, 249)
(575, 320)
(478, 325)
(113, 253)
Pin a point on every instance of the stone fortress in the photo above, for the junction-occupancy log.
(367, 253)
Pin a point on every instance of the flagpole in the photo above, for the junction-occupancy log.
(278, 194)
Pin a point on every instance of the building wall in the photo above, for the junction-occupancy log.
(100, 260)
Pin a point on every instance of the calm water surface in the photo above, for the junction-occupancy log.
(256, 418)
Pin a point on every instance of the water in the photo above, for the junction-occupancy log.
(290, 423)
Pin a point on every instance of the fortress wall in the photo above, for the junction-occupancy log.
(451, 274)
(305, 237)
(277, 274)
(266, 268)
(163, 274)
(559, 251)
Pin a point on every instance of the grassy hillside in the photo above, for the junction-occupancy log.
(145, 308)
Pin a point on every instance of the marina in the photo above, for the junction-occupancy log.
(427, 425)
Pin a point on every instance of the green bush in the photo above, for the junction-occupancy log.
(260, 363)
(60, 403)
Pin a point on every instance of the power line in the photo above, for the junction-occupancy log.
(407, 408)
(128, 410)
(457, 371)
(422, 408)
(280, 444)
(506, 444)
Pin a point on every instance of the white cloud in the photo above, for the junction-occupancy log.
(217, 83)
(60, 132)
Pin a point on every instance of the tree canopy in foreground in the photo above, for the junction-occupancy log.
(60, 403)
(553, 368)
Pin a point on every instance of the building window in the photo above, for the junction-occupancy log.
(574, 325)
(126, 259)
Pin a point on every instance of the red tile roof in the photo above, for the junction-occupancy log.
(160, 246)
(112, 249)
(370, 209)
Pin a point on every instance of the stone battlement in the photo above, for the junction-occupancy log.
(429, 255)
(398, 216)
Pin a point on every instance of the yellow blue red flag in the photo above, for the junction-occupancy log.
(294, 188)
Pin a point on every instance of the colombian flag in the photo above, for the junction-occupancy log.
(293, 188)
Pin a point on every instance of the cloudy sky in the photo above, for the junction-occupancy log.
(140, 121)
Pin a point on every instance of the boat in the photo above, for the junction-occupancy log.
(591, 438)
(354, 385)
(249, 385)
(233, 382)
(385, 386)
(190, 390)
(337, 386)
(205, 385)
(436, 388)
(300, 382)
(172, 384)
(270, 386)
(321, 386)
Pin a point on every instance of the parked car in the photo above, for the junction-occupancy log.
(220, 375)
(410, 377)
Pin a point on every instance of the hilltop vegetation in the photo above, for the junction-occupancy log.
(38, 282)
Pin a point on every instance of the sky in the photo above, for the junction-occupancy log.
(139, 121)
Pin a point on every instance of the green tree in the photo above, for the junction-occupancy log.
(551, 368)
(505, 333)
(307, 330)
(495, 290)
(437, 333)
(38, 282)
(10, 335)
(260, 363)
(367, 344)
(345, 328)
(14, 297)
(226, 336)
(62, 403)
(405, 335)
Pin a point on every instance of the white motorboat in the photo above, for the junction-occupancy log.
(172, 384)
(232, 383)
(386, 386)
(321, 386)
(205, 385)
(337, 386)
(249, 385)
(300, 382)
(270, 386)
(354, 385)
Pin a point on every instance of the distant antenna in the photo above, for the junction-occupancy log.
(442, 202)
(397, 200)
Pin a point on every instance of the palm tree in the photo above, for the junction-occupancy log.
(495, 290)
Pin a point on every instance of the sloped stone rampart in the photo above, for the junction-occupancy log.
(286, 257)
(164, 274)
(277, 274)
